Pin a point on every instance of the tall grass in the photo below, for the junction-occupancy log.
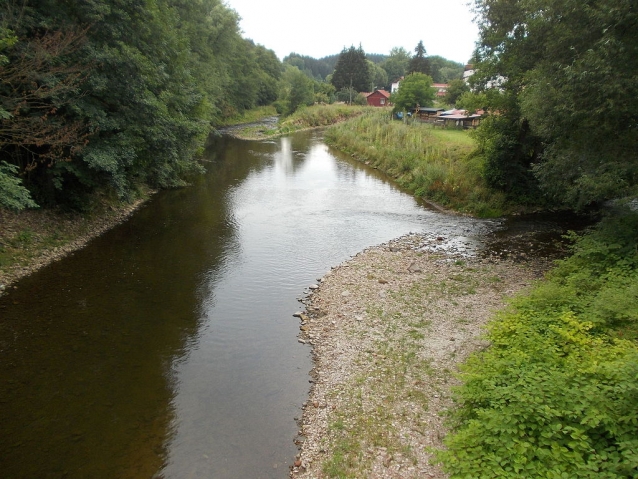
(432, 163)
(320, 115)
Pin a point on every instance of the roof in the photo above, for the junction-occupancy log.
(460, 117)
(454, 111)
(382, 92)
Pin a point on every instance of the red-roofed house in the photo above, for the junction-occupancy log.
(378, 98)
(441, 88)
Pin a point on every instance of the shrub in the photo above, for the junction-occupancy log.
(555, 395)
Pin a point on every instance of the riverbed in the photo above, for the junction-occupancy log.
(167, 347)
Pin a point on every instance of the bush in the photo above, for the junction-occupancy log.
(13, 195)
(555, 395)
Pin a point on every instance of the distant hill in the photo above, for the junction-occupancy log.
(443, 70)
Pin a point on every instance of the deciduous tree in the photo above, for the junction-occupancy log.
(415, 89)
(567, 71)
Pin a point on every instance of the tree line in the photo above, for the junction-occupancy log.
(558, 80)
(113, 94)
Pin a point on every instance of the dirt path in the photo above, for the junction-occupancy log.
(389, 328)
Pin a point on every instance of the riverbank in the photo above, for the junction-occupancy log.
(389, 329)
(32, 239)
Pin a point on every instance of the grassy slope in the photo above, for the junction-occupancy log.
(435, 164)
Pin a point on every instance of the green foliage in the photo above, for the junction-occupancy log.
(13, 195)
(378, 77)
(120, 93)
(315, 69)
(296, 90)
(443, 70)
(456, 88)
(415, 89)
(419, 63)
(570, 68)
(396, 64)
(352, 70)
(556, 393)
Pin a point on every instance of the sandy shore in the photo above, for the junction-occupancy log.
(389, 329)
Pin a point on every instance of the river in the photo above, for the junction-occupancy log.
(167, 347)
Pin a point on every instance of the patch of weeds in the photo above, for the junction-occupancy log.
(420, 323)
(22, 239)
(416, 335)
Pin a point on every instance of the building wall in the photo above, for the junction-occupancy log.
(377, 99)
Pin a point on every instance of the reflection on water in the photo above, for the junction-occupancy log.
(167, 346)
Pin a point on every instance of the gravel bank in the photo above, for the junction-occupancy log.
(388, 329)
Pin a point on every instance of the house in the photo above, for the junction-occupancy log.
(441, 89)
(426, 113)
(395, 86)
(459, 118)
(378, 98)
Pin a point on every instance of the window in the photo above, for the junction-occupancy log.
(383, 101)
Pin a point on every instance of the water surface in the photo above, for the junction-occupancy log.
(167, 346)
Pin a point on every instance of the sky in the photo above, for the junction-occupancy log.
(324, 27)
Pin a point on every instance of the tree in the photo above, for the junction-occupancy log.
(378, 77)
(443, 70)
(352, 70)
(419, 62)
(36, 86)
(396, 64)
(113, 94)
(569, 72)
(415, 89)
(296, 90)
(455, 89)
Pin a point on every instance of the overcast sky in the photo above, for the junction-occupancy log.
(324, 27)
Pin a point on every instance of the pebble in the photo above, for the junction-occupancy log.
(313, 286)
(301, 341)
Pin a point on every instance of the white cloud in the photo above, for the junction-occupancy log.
(324, 28)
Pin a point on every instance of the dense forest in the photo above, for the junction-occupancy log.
(395, 64)
(115, 94)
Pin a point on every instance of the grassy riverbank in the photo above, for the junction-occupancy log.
(303, 119)
(556, 393)
(435, 164)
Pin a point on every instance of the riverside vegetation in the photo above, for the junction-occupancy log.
(435, 164)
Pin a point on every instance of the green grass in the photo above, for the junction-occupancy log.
(435, 164)
(303, 119)
(250, 116)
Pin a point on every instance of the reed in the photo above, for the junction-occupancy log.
(435, 164)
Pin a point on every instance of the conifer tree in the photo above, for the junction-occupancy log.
(419, 62)
(352, 70)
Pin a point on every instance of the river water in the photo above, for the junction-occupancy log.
(167, 347)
